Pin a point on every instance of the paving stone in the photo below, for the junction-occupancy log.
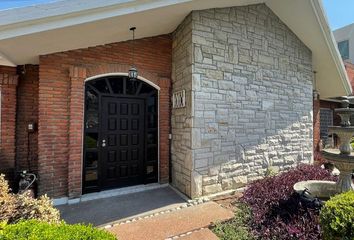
(173, 224)
(204, 234)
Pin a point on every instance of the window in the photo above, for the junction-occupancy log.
(343, 47)
(326, 120)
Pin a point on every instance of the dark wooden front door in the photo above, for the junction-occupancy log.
(122, 149)
(121, 134)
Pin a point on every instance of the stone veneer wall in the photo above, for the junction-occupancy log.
(181, 148)
(252, 99)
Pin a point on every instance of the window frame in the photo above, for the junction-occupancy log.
(347, 55)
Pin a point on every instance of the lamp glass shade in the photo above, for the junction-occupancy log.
(316, 95)
(133, 73)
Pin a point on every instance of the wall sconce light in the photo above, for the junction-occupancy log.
(133, 72)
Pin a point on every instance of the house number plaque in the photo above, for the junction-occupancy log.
(179, 99)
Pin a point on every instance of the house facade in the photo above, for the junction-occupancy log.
(224, 92)
(345, 41)
(328, 117)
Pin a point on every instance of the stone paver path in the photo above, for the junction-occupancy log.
(186, 223)
(203, 234)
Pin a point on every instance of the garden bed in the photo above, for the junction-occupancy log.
(269, 209)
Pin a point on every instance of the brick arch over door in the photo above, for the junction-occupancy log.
(78, 75)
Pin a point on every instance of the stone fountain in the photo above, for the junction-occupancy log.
(342, 159)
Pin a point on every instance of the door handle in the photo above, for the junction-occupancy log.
(104, 143)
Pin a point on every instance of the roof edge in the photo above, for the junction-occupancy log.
(6, 61)
(67, 19)
(330, 41)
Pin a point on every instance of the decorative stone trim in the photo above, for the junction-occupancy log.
(92, 71)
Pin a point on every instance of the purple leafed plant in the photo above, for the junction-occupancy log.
(277, 210)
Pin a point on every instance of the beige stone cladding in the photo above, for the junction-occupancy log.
(248, 81)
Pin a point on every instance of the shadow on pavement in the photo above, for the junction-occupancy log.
(103, 211)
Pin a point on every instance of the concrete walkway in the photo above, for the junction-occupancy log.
(189, 223)
(103, 211)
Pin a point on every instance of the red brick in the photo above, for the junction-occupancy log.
(8, 84)
(27, 112)
(61, 93)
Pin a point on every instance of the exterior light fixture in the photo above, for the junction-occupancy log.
(316, 93)
(133, 72)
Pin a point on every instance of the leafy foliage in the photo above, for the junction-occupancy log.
(36, 230)
(15, 207)
(7, 200)
(237, 228)
(277, 211)
(337, 217)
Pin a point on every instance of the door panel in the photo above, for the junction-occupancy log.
(125, 115)
(122, 127)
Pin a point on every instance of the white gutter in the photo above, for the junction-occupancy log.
(331, 43)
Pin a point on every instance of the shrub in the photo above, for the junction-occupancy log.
(276, 210)
(36, 230)
(7, 200)
(337, 217)
(14, 207)
(237, 228)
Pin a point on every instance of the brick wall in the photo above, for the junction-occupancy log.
(317, 127)
(349, 67)
(332, 106)
(27, 111)
(8, 84)
(61, 87)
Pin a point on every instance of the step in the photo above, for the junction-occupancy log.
(172, 224)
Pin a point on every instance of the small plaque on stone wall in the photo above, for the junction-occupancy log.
(179, 99)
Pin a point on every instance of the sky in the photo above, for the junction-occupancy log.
(6, 4)
(340, 12)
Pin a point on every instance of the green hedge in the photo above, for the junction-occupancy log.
(36, 230)
(337, 217)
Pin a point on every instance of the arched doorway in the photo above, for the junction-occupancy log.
(120, 133)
